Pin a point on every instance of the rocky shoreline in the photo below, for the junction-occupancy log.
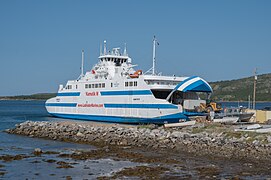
(204, 139)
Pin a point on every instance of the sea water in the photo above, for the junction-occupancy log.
(258, 105)
(15, 112)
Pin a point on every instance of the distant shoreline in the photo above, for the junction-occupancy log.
(7, 99)
(40, 96)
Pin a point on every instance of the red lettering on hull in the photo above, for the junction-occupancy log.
(91, 105)
(92, 93)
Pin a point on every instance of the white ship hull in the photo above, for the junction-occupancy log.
(113, 92)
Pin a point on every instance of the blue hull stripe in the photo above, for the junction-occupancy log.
(141, 106)
(62, 104)
(121, 93)
(69, 94)
(151, 106)
(172, 118)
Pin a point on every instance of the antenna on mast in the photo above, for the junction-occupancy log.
(125, 50)
(104, 47)
(82, 65)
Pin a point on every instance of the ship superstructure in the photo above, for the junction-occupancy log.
(114, 91)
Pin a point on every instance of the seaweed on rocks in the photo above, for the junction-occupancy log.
(50, 160)
(143, 172)
(8, 158)
(118, 153)
(63, 164)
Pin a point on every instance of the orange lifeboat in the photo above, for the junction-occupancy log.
(136, 74)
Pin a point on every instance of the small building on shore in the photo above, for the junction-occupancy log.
(260, 116)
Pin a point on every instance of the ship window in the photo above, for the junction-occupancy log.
(130, 83)
(96, 85)
(103, 85)
(89, 85)
(92, 85)
(135, 83)
(69, 87)
(126, 84)
(161, 94)
(111, 84)
(86, 86)
(100, 85)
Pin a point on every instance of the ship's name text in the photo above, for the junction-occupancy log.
(91, 105)
(92, 93)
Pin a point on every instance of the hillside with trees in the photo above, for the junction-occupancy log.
(241, 89)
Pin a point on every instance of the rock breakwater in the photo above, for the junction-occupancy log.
(215, 140)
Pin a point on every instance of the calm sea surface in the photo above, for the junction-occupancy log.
(259, 105)
(14, 112)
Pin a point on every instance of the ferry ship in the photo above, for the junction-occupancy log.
(113, 91)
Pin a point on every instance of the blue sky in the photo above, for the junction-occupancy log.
(41, 41)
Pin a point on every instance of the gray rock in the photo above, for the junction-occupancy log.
(37, 151)
(176, 134)
(79, 134)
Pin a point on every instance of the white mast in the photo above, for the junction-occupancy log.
(249, 106)
(153, 56)
(254, 89)
(82, 65)
(100, 49)
(104, 47)
(125, 51)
